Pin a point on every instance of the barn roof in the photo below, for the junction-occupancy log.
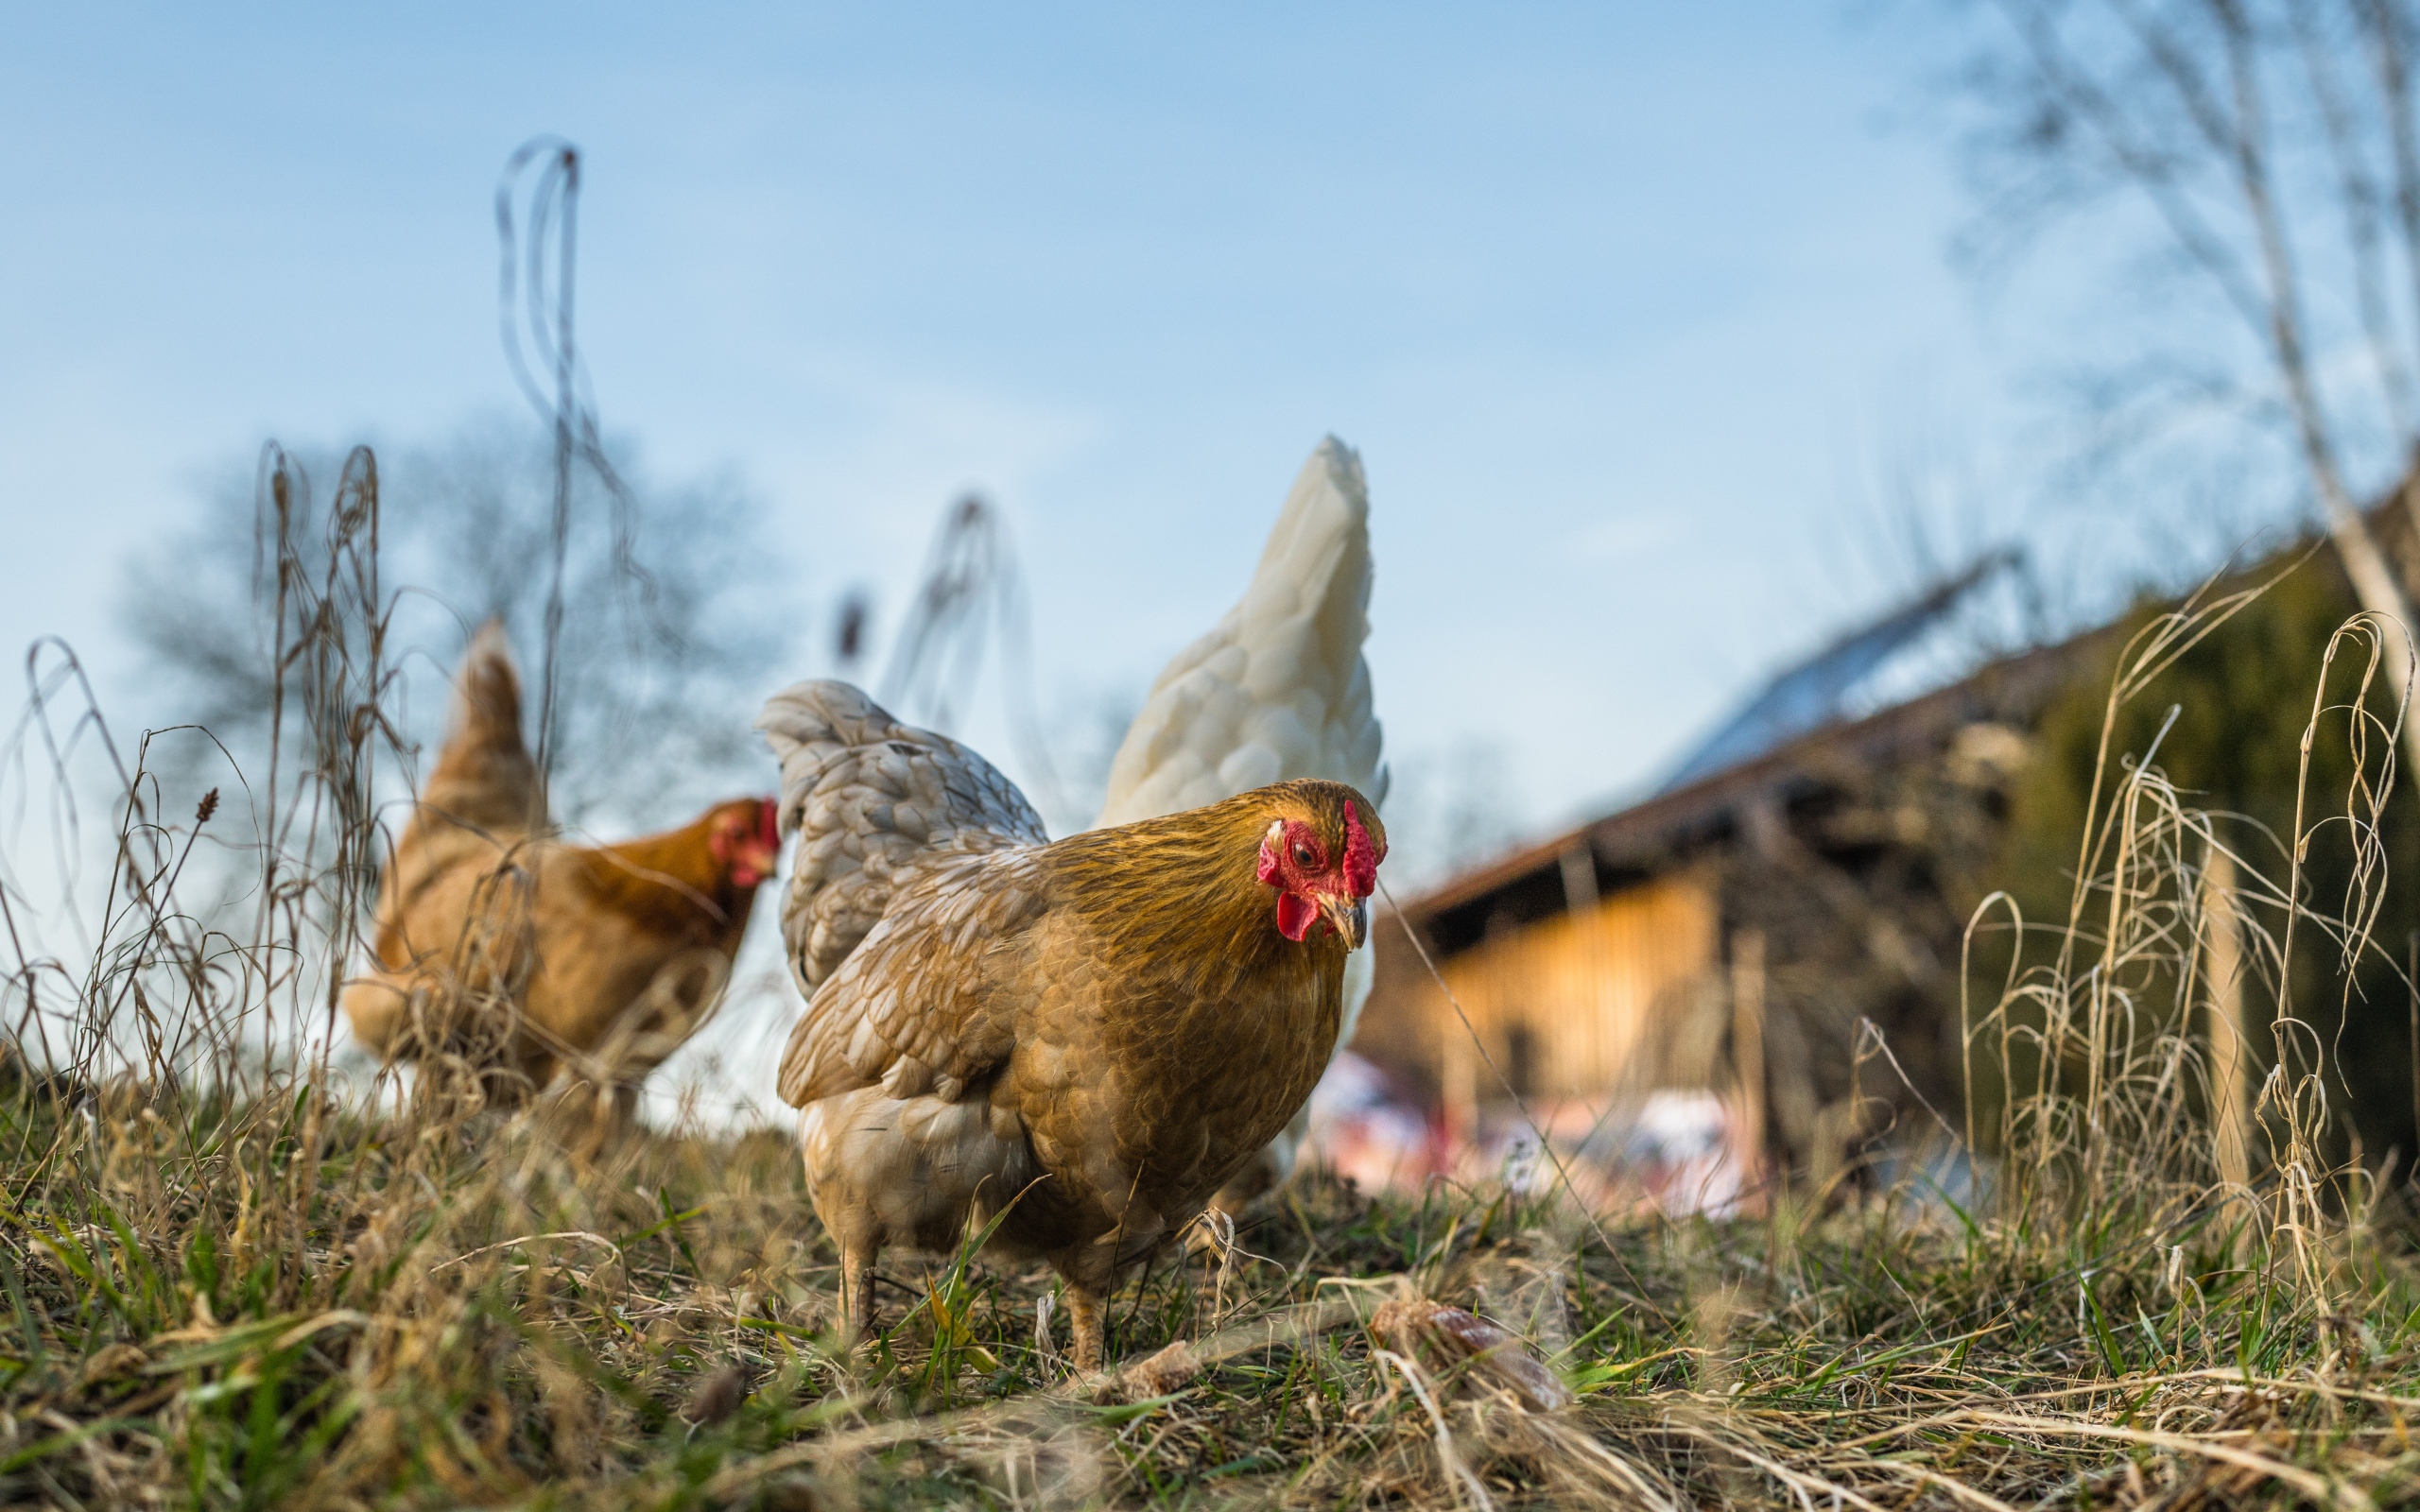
(1538, 880)
(1823, 690)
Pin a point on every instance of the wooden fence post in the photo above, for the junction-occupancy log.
(1748, 1052)
(2230, 1032)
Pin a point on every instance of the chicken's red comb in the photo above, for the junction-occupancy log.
(1361, 857)
(768, 822)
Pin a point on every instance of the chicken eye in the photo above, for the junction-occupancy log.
(1303, 856)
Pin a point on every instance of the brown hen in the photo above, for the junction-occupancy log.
(1085, 1039)
(522, 955)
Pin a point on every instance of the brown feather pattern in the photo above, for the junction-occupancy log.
(516, 951)
(1099, 1031)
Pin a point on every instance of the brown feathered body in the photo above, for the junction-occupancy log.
(1086, 1038)
(522, 954)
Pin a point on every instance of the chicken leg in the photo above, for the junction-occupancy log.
(1085, 1309)
(856, 1295)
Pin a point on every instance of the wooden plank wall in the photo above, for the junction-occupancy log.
(1612, 998)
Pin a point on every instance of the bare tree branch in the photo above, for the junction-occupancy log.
(2073, 86)
(2363, 229)
(2373, 580)
(2175, 101)
(2387, 33)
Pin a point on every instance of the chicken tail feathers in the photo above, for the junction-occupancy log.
(1278, 689)
(484, 774)
(868, 798)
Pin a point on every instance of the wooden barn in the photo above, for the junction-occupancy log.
(1698, 941)
(1777, 934)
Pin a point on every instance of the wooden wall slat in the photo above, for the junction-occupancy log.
(1598, 990)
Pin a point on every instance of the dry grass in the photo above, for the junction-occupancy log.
(285, 1304)
(230, 1280)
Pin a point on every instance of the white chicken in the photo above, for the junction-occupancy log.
(1278, 690)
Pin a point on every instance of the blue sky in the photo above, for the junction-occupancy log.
(1626, 308)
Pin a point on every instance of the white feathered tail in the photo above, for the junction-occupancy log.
(1278, 690)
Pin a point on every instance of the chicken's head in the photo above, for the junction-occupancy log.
(1325, 866)
(746, 838)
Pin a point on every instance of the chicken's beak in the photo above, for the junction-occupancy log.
(755, 865)
(1348, 915)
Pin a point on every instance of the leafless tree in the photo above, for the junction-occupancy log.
(2269, 152)
(673, 626)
